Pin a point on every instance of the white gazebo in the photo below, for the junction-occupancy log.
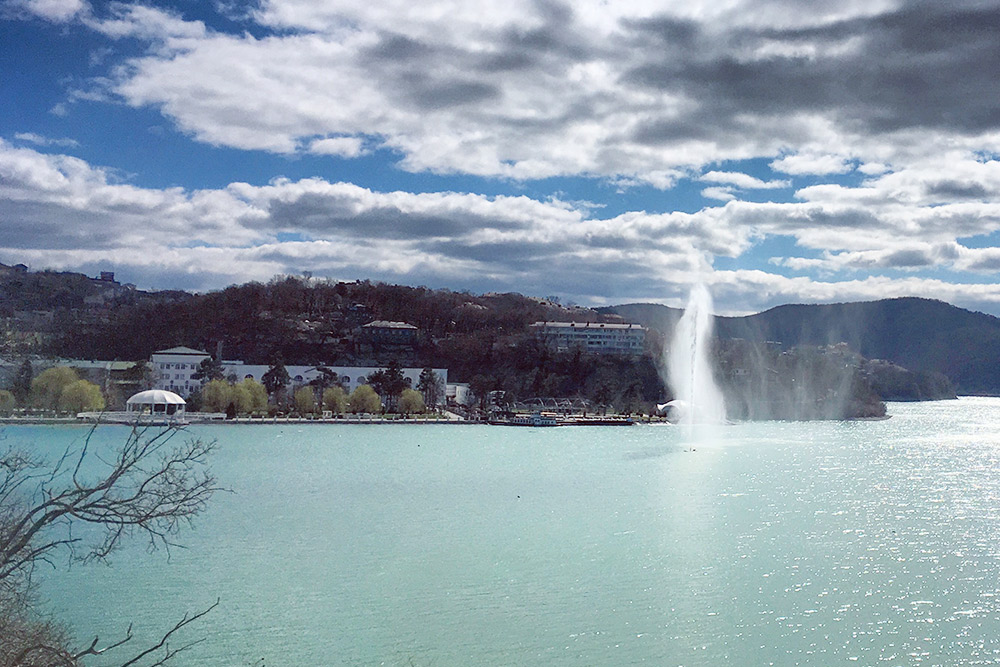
(156, 402)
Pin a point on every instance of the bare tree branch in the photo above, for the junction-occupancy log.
(169, 653)
(148, 488)
(149, 485)
(93, 650)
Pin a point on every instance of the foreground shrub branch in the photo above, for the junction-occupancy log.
(85, 505)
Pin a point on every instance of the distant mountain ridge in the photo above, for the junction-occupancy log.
(919, 334)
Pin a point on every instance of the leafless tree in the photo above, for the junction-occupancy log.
(151, 486)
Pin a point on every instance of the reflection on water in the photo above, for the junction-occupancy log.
(776, 543)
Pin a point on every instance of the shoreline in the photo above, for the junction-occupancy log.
(273, 421)
(55, 421)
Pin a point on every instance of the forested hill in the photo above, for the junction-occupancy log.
(304, 321)
(483, 339)
(317, 321)
(920, 334)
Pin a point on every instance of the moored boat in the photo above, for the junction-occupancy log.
(533, 419)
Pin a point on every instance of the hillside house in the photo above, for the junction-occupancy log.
(382, 334)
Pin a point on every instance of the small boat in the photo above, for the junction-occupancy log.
(534, 419)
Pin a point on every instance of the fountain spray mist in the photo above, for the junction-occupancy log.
(689, 369)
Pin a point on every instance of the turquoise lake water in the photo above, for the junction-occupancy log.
(820, 543)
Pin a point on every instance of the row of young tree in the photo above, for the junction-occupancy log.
(249, 397)
(56, 389)
(364, 399)
(387, 390)
(60, 389)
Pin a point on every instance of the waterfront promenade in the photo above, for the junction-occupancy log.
(219, 418)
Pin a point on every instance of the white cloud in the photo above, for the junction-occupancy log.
(64, 202)
(740, 180)
(812, 163)
(150, 23)
(719, 193)
(629, 91)
(900, 255)
(347, 147)
(61, 212)
(873, 168)
(635, 93)
(40, 140)
(58, 11)
(761, 290)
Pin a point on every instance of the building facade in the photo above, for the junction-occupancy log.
(381, 333)
(173, 368)
(349, 377)
(597, 337)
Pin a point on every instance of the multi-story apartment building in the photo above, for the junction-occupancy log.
(173, 368)
(602, 338)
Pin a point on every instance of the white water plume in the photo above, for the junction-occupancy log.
(689, 370)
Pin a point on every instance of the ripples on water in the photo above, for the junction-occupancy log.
(775, 543)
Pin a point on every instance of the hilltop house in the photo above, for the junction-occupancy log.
(381, 334)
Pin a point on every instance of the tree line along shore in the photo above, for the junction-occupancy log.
(485, 341)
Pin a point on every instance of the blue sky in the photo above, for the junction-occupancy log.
(601, 152)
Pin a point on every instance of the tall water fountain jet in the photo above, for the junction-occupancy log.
(689, 370)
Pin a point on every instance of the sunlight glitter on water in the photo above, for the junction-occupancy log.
(783, 543)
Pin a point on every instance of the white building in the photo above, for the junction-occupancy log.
(349, 377)
(602, 338)
(460, 393)
(173, 369)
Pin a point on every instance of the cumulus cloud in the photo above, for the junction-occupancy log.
(57, 11)
(59, 201)
(812, 163)
(876, 112)
(719, 193)
(340, 146)
(149, 23)
(61, 205)
(761, 290)
(903, 256)
(62, 212)
(529, 90)
(743, 181)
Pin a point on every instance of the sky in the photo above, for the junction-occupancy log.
(778, 151)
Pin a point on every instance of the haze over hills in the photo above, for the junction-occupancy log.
(920, 334)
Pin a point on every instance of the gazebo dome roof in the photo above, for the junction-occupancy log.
(156, 397)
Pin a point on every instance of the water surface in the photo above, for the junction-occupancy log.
(818, 543)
